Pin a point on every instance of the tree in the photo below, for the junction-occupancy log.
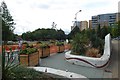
(118, 29)
(98, 31)
(78, 44)
(104, 32)
(60, 35)
(44, 34)
(7, 32)
(7, 23)
(74, 32)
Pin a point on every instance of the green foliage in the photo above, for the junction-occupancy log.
(28, 51)
(7, 32)
(23, 73)
(73, 32)
(98, 31)
(26, 44)
(28, 36)
(60, 35)
(78, 44)
(118, 32)
(9, 43)
(8, 66)
(115, 30)
(44, 34)
(104, 32)
(39, 42)
(44, 46)
(87, 39)
(96, 42)
(59, 43)
(7, 23)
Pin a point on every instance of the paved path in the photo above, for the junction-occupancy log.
(113, 67)
(58, 61)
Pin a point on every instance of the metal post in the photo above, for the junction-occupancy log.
(76, 16)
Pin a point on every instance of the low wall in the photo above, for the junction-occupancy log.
(65, 74)
(90, 61)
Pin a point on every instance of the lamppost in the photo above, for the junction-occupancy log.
(76, 16)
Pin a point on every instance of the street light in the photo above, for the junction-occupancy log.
(76, 16)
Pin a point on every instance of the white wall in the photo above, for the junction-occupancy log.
(90, 61)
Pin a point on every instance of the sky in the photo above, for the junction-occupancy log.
(30, 15)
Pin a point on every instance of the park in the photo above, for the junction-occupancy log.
(50, 53)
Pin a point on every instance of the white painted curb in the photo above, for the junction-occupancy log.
(90, 61)
(66, 74)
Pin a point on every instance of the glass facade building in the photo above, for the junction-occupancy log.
(104, 20)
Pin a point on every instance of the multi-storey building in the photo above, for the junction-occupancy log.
(118, 17)
(94, 21)
(76, 23)
(80, 24)
(83, 25)
(90, 24)
(104, 20)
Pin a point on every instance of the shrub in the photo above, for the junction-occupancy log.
(78, 44)
(25, 44)
(92, 52)
(23, 73)
(31, 45)
(44, 45)
(9, 43)
(97, 43)
(39, 42)
(28, 51)
(59, 43)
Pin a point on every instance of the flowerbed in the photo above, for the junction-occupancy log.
(29, 57)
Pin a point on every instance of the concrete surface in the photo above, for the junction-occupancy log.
(58, 61)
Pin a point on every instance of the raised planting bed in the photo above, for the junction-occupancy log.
(92, 61)
(44, 50)
(67, 46)
(29, 57)
(60, 47)
(53, 49)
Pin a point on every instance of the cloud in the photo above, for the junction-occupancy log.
(119, 6)
(96, 4)
(40, 5)
(44, 6)
(32, 14)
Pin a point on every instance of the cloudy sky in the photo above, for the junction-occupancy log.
(33, 14)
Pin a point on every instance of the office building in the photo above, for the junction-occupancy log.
(104, 20)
